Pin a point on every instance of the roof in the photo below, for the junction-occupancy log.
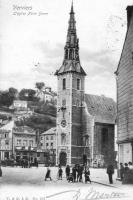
(70, 66)
(50, 131)
(23, 129)
(102, 108)
(127, 32)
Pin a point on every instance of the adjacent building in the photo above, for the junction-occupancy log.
(124, 78)
(48, 147)
(6, 145)
(46, 95)
(24, 143)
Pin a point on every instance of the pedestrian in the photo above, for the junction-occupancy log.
(110, 172)
(67, 171)
(126, 168)
(74, 173)
(70, 178)
(121, 171)
(48, 174)
(80, 172)
(0, 172)
(60, 172)
(87, 175)
(77, 172)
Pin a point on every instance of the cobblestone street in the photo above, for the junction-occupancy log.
(24, 181)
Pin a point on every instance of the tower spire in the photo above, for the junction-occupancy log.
(72, 7)
(71, 61)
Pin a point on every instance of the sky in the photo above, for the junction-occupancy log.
(33, 35)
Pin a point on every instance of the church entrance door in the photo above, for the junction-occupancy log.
(63, 158)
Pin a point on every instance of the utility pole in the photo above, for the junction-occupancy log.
(0, 155)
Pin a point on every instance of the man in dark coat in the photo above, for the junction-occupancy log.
(0, 172)
(80, 172)
(110, 172)
(60, 172)
(74, 173)
(48, 174)
(121, 171)
(67, 171)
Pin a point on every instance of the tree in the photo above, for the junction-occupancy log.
(28, 95)
(6, 99)
(40, 85)
(13, 92)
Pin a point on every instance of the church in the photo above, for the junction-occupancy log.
(85, 123)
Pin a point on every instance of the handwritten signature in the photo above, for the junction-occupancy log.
(91, 195)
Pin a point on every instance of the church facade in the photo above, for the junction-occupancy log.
(75, 127)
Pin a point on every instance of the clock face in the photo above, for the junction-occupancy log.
(63, 123)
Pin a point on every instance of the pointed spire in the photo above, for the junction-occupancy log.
(72, 8)
(71, 62)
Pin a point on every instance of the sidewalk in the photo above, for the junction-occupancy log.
(100, 176)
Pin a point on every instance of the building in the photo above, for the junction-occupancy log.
(46, 95)
(24, 143)
(82, 133)
(6, 146)
(99, 127)
(124, 78)
(48, 146)
(20, 105)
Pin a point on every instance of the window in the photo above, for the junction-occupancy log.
(51, 137)
(6, 142)
(31, 143)
(78, 84)
(7, 155)
(64, 102)
(38, 154)
(78, 103)
(64, 83)
(18, 142)
(51, 144)
(46, 144)
(63, 139)
(47, 137)
(24, 142)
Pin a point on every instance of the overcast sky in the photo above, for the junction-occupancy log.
(27, 40)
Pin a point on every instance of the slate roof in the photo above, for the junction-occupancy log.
(50, 131)
(70, 66)
(102, 108)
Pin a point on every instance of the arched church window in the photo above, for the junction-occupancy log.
(66, 54)
(64, 102)
(64, 83)
(78, 84)
(70, 54)
(78, 103)
(63, 138)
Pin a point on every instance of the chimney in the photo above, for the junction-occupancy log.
(129, 14)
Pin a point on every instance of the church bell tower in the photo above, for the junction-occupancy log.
(70, 101)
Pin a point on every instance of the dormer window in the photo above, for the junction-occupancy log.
(78, 84)
(64, 83)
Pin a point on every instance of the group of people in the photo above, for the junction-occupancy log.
(25, 163)
(125, 168)
(72, 175)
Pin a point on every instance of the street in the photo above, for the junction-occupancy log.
(28, 184)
